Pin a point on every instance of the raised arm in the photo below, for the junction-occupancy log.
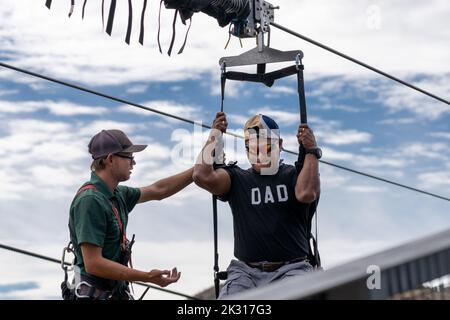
(307, 188)
(218, 181)
(166, 187)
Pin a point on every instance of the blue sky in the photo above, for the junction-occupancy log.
(361, 121)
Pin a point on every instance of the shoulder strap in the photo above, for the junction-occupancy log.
(84, 188)
(114, 209)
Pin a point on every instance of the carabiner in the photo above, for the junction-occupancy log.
(68, 249)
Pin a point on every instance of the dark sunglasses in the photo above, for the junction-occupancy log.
(126, 156)
(268, 146)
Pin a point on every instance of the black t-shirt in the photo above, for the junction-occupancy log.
(269, 223)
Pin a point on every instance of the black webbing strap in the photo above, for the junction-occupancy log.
(216, 249)
(72, 5)
(130, 22)
(217, 274)
(223, 80)
(172, 41)
(141, 33)
(103, 14)
(112, 10)
(159, 26)
(301, 94)
(301, 160)
(316, 242)
(185, 37)
(266, 78)
(82, 10)
(48, 3)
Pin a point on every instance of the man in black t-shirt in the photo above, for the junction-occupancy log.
(270, 202)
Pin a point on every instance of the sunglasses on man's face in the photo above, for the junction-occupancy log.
(126, 156)
(268, 147)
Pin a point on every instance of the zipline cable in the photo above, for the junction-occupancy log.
(77, 87)
(365, 65)
(39, 256)
(378, 178)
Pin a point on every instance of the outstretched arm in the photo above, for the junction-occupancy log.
(218, 181)
(307, 188)
(166, 187)
(99, 266)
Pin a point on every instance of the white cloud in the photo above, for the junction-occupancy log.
(399, 98)
(435, 179)
(421, 150)
(59, 108)
(171, 107)
(398, 121)
(52, 156)
(332, 154)
(340, 107)
(277, 91)
(445, 135)
(344, 137)
(140, 88)
(365, 189)
(89, 129)
(327, 87)
(283, 118)
(8, 92)
(237, 120)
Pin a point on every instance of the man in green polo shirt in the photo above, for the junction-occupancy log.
(99, 217)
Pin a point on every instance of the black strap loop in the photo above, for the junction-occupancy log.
(103, 14)
(186, 36)
(216, 249)
(112, 10)
(48, 3)
(159, 26)
(172, 41)
(141, 33)
(72, 5)
(82, 10)
(301, 95)
(130, 22)
(266, 78)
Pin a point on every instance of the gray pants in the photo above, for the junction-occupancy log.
(242, 277)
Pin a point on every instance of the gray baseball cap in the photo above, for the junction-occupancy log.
(112, 141)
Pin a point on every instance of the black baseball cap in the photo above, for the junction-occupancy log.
(112, 141)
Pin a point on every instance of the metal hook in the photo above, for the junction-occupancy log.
(298, 61)
(223, 67)
(68, 249)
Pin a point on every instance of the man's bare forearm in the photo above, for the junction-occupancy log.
(175, 183)
(166, 187)
(307, 188)
(109, 269)
(204, 165)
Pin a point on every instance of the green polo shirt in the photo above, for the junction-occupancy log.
(92, 220)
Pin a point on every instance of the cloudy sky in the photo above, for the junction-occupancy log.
(361, 120)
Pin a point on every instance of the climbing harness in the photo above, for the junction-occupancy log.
(71, 291)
